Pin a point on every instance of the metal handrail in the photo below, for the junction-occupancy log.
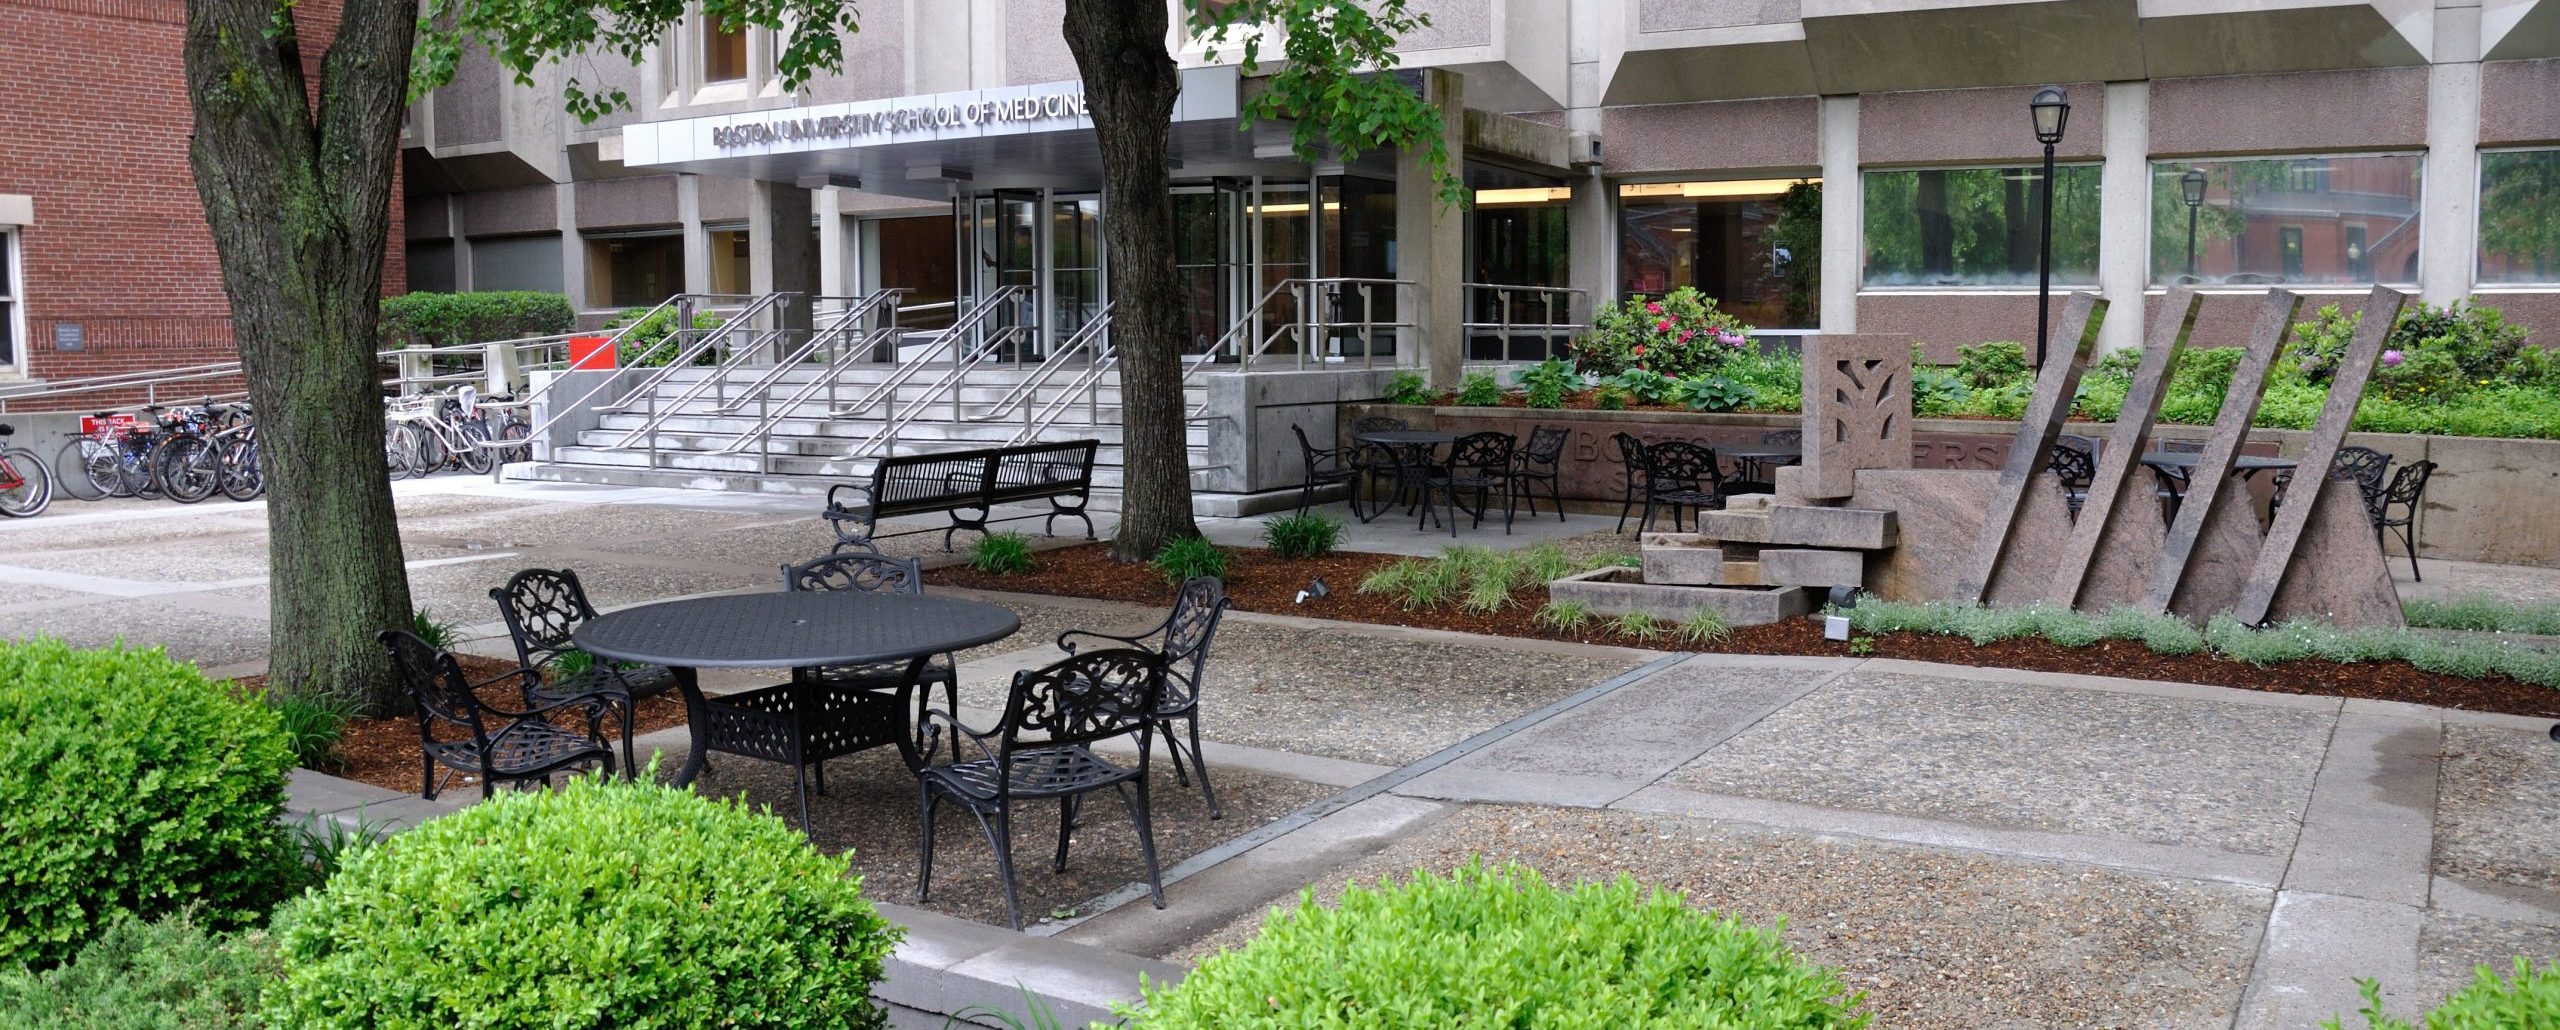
(771, 416)
(1547, 296)
(1030, 385)
(968, 322)
(705, 339)
(846, 322)
(953, 381)
(148, 382)
(1089, 384)
(540, 431)
(717, 378)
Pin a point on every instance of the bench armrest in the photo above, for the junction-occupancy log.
(863, 490)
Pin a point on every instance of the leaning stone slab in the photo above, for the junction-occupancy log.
(1812, 567)
(2075, 333)
(2285, 537)
(2339, 575)
(1857, 409)
(2120, 521)
(1617, 591)
(2210, 488)
(1741, 527)
(1853, 528)
(1937, 513)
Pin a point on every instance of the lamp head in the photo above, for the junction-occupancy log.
(2052, 111)
(2191, 186)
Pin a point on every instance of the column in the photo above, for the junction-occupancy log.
(780, 247)
(2449, 221)
(459, 232)
(2124, 214)
(835, 251)
(573, 248)
(1843, 206)
(697, 241)
(1431, 239)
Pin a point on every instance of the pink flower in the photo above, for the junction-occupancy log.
(1639, 350)
(2392, 358)
(1653, 307)
(1685, 334)
(1663, 326)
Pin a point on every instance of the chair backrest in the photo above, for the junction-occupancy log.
(2363, 466)
(2072, 465)
(857, 571)
(1481, 450)
(2406, 487)
(1306, 449)
(542, 607)
(1546, 444)
(1083, 698)
(1678, 463)
(434, 681)
(1197, 610)
(1783, 436)
(1378, 424)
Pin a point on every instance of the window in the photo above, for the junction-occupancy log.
(8, 299)
(431, 266)
(2520, 216)
(2344, 220)
(530, 262)
(1754, 245)
(635, 270)
(724, 51)
(1979, 226)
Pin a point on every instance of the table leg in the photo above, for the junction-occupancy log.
(697, 719)
(911, 743)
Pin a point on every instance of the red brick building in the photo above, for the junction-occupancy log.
(105, 262)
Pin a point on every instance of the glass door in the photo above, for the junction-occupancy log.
(1283, 224)
(1075, 266)
(1207, 259)
(1007, 253)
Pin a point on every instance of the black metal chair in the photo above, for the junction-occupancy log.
(1065, 708)
(2172, 480)
(1326, 466)
(1183, 640)
(542, 608)
(1378, 424)
(1631, 460)
(867, 573)
(2407, 491)
(1683, 476)
(528, 748)
(1479, 462)
(1373, 462)
(1541, 461)
(2365, 467)
(2074, 461)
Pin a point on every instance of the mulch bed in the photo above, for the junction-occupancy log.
(384, 752)
(1261, 582)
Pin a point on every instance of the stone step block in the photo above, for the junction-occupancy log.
(1862, 529)
(1812, 567)
(1619, 591)
(1691, 559)
(1743, 527)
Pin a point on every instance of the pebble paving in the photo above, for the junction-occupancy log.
(2498, 808)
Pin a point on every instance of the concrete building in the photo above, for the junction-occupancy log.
(1819, 165)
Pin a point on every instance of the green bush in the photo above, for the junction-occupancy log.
(1647, 386)
(1189, 556)
(607, 903)
(1610, 398)
(1714, 393)
(641, 347)
(1302, 535)
(173, 973)
(135, 787)
(1499, 947)
(1679, 334)
(1548, 383)
(1479, 390)
(1409, 388)
(1999, 364)
(2529, 999)
(1001, 554)
(455, 319)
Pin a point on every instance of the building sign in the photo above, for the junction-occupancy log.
(857, 125)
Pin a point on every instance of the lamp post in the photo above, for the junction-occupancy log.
(2052, 112)
(2191, 187)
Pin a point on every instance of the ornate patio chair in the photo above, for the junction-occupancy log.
(1326, 466)
(2407, 491)
(527, 748)
(2365, 467)
(1378, 424)
(1478, 462)
(1373, 462)
(542, 607)
(1682, 476)
(1183, 641)
(1064, 709)
(1541, 461)
(867, 573)
(1631, 461)
(2074, 461)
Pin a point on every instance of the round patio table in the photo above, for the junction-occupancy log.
(1753, 462)
(799, 629)
(2245, 464)
(1412, 449)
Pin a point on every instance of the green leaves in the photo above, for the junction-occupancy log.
(1186, 557)
(1332, 82)
(1302, 535)
(449, 319)
(1001, 554)
(523, 35)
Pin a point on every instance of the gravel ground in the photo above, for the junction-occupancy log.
(871, 810)
(2495, 815)
(2451, 947)
(1935, 938)
(2168, 771)
(190, 633)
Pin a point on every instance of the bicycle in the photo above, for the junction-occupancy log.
(89, 462)
(236, 447)
(26, 483)
(434, 441)
(185, 463)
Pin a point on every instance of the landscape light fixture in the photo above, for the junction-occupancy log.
(2191, 188)
(1314, 591)
(1835, 614)
(2051, 110)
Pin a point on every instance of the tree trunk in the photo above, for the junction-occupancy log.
(1130, 85)
(299, 208)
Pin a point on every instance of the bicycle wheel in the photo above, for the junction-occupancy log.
(476, 459)
(71, 470)
(188, 470)
(399, 449)
(428, 450)
(141, 469)
(26, 483)
(241, 480)
(516, 428)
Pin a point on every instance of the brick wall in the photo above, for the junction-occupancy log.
(94, 124)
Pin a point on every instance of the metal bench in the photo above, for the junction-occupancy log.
(968, 485)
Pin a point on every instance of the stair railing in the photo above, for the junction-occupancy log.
(678, 305)
(851, 327)
(954, 381)
(759, 346)
(952, 339)
(690, 344)
(1060, 359)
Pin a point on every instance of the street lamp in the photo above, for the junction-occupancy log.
(2191, 187)
(2051, 109)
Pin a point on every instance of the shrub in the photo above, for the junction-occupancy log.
(1714, 393)
(1188, 557)
(1992, 366)
(1776, 381)
(135, 787)
(2531, 998)
(607, 903)
(1479, 390)
(313, 724)
(2477, 341)
(1647, 386)
(1610, 398)
(1303, 535)
(1409, 388)
(1500, 947)
(457, 319)
(646, 346)
(1001, 554)
(1548, 383)
(1935, 391)
(145, 976)
(1680, 334)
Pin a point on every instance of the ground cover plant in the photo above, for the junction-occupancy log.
(170, 973)
(2530, 998)
(1001, 554)
(1302, 535)
(2483, 613)
(1499, 946)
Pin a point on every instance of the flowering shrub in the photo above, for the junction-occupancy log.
(1680, 335)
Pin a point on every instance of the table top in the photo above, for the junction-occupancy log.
(797, 629)
(1405, 437)
(2188, 459)
(1762, 452)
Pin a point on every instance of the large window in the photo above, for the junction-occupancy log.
(530, 262)
(635, 270)
(2520, 216)
(724, 51)
(1754, 245)
(2327, 220)
(1979, 226)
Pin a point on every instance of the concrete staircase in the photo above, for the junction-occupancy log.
(810, 451)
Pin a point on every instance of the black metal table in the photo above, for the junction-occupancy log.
(1752, 464)
(2245, 464)
(806, 629)
(1412, 450)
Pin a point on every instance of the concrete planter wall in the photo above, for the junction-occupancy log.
(2490, 500)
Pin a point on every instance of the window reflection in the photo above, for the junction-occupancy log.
(2520, 216)
(1979, 226)
(1754, 245)
(2308, 220)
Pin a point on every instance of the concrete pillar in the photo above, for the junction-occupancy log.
(2449, 221)
(1843, 206)
(1431, 240)
(2124, 214)
(573, 249)
(697, 240)
(460, 234)
(835, 248)
(1592, 251)
(781, 252)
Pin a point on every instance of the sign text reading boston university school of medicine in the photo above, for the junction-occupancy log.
(901, 119)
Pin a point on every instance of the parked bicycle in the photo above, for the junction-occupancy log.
(26, 483)
(431, 432)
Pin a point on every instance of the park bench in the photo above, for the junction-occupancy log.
(968, 485)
